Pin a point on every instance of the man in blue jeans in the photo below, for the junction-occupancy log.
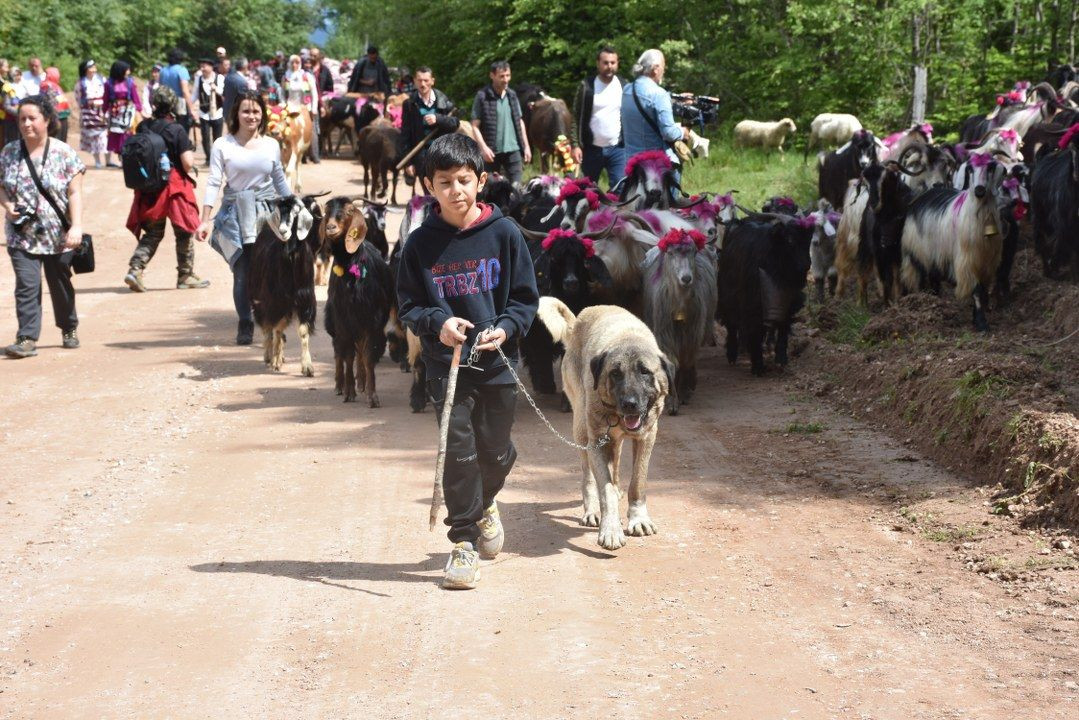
(597, 122)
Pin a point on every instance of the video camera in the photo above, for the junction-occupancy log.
(695, 109)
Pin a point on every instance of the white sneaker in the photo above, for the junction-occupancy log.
(462, 568)
(491, 534)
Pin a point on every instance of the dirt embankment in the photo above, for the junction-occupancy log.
(1000, 407)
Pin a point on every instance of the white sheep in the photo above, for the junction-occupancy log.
(832, 129)
(752, 133)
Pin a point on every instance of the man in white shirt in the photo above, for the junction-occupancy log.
(597, 121)
(33, 77)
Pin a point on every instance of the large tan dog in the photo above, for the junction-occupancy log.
(616, 379)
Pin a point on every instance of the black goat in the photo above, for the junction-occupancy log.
(837, 168)
(357, 306)
(762, 279)
(1055, 205)
(882, 224)
(567, 268)
(281, 280)
(499, 191)
(536, 207)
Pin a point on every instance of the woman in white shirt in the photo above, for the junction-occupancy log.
(248, 164)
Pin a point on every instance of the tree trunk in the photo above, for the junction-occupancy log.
(1071, 31)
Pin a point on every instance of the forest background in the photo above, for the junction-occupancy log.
(765, 59)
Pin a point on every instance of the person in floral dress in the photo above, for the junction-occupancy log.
(36, 239)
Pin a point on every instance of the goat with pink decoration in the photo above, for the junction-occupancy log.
(955, 235)
(680, 295)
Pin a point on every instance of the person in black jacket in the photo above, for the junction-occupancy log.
(496, 113)
(466, 277)
(370, 74)
(596, 136)
(426, 113)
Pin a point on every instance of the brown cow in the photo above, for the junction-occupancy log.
(549, 118)
(293, 129)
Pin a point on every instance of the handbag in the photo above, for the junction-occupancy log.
(82, 257)
(680, 148)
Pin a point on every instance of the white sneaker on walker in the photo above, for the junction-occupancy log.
(492, 536)
(462, 568)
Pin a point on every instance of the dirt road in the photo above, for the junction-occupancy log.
(188, 535)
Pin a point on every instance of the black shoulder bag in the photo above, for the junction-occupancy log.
(82, 257)
(679, 147)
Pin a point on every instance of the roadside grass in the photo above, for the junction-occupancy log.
(851, 319)
(756, 175)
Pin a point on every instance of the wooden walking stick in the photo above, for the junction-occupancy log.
(443, 434)
(419, 146)
(412, 153)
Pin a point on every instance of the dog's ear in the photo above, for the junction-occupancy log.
(597, 368)
(668, 370)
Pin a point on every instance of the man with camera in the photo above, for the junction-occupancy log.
(596, 136)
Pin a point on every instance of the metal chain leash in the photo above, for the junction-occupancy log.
(599, 442)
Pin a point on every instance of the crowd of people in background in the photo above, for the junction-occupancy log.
(227, 103)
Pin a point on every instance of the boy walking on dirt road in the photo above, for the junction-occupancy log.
(466, 277)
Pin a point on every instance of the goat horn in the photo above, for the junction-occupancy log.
(688, 204)
(599, 234)
(895, 165)
(640, 222)
(529, 234)
(318, 195)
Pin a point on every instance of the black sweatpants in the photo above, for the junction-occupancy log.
(479, 452)
(28, 268)
(210, 131)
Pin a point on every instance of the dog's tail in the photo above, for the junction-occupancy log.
(556, 317)
(413, 347)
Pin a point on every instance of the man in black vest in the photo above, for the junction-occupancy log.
(370, 74)
(596, 136)
(496, 113)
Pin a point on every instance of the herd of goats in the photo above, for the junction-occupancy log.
(911, 211)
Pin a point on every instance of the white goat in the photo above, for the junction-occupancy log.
(752, 133)
(955, 234)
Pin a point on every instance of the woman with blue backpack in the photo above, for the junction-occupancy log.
(157, 162)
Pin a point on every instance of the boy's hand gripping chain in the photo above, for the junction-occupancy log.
(443, 435)
(444, 426)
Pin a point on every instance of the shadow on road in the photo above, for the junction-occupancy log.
(532, 532)
(327, 572)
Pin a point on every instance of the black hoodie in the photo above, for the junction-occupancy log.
(483, 274)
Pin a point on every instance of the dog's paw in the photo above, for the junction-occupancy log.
(590, 519)
(611, 537)
(641, 526)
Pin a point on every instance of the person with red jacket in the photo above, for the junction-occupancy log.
(176, 202)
